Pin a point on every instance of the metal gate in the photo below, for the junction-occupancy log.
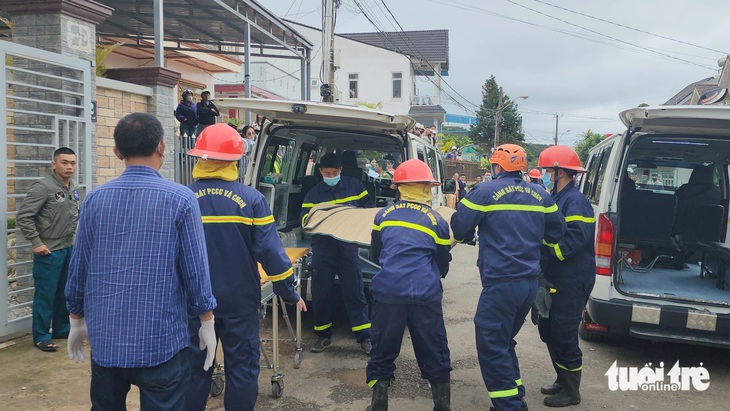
(46, 105)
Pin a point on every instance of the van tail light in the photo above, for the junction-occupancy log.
(604, 246)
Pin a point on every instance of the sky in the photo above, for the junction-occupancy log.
(585, 60)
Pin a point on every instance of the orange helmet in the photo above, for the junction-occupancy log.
(218, 142)
(535, 173)
(510, 157)
(413, 171)
(560, 157)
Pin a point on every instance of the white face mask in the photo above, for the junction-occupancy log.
(189, 99)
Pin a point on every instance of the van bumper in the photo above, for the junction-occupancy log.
(661, 322)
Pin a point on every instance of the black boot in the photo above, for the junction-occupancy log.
(570, 393)
(557, 385)
(523, 407)
(379, 401)
(441, 396)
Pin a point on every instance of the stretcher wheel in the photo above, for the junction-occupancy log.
(217, 386)
(297, 360)
(277, 388)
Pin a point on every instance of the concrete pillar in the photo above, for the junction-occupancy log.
(66, 27)
(162, 104)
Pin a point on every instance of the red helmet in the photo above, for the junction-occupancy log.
(218, 142)
(413, 171)
(535, 173)
(560, 157)
(510, 157)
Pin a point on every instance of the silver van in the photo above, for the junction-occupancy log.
(296, 134)
(660, 196)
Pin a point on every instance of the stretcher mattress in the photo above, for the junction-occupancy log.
(351, 224)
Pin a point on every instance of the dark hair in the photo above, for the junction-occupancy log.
(462, 175)
(330, 160)
(63, 150)
(245, 129)
(138, 135)
(349, 158)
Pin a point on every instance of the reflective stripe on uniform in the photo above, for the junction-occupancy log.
(518, 381)
(556, 248)
(360, 327)
(588, 220)
(304, 218)
(322, 327)
(371, 383)
(569, 369)
(338, 200)
(404, 224)
(509, 207)
(237, 219)
(504, 393)
(282, 276)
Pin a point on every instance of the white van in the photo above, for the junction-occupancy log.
(296, 134)
(660, 196)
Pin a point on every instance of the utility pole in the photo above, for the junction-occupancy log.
(556, 128)
(497, 118)
(328, 36)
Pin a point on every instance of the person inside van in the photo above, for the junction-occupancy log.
(570, 266)
(655, 183)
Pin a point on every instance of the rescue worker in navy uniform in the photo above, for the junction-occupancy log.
(571, 267)
(514, 217)
(536, 177)
(332, 257)
(239, 231)
(412, 243)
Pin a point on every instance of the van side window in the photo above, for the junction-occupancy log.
(421, 156)
(305, 163)
(432, 162)
(279, 156)
(596, 172)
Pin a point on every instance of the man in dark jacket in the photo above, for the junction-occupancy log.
(514, 218)
(413, 245)
(207, 111)
(187, 114)
(239, 232)
(331, 257)
(571, 267)
(48, 218)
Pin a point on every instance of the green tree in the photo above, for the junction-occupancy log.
(510, 129)
(450, 140)
(586, 143)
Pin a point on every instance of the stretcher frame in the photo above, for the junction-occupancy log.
(299, 258)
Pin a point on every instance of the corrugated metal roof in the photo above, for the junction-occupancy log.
(429, 45)
(426, 110)
(686, 92)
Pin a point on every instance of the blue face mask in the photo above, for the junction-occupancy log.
(331, 181)
(546, 181)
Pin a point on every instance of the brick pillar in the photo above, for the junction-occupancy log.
(162, 104)
(66, 27)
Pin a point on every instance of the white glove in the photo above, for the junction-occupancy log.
(207, 339)
(76, 337)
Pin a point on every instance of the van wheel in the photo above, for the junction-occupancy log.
(586, 335)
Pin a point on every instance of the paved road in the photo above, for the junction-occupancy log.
(335, 379)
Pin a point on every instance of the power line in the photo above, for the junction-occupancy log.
(380, 28)
(630, 28)
(645, 51)
(606, 35)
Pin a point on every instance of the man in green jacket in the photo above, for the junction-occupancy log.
(48, 218)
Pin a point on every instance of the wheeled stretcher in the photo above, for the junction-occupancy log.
(298, 258)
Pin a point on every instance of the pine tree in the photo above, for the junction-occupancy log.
(510, 130)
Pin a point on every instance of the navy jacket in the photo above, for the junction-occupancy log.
(573, 259)
(413, 245)
(239, 231)
(207, 113)
(187, 113)
(514, 217)
(348, 191)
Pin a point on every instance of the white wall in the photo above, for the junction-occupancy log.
(374, 66)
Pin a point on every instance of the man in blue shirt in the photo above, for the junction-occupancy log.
(138, 265)
(332, 257)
